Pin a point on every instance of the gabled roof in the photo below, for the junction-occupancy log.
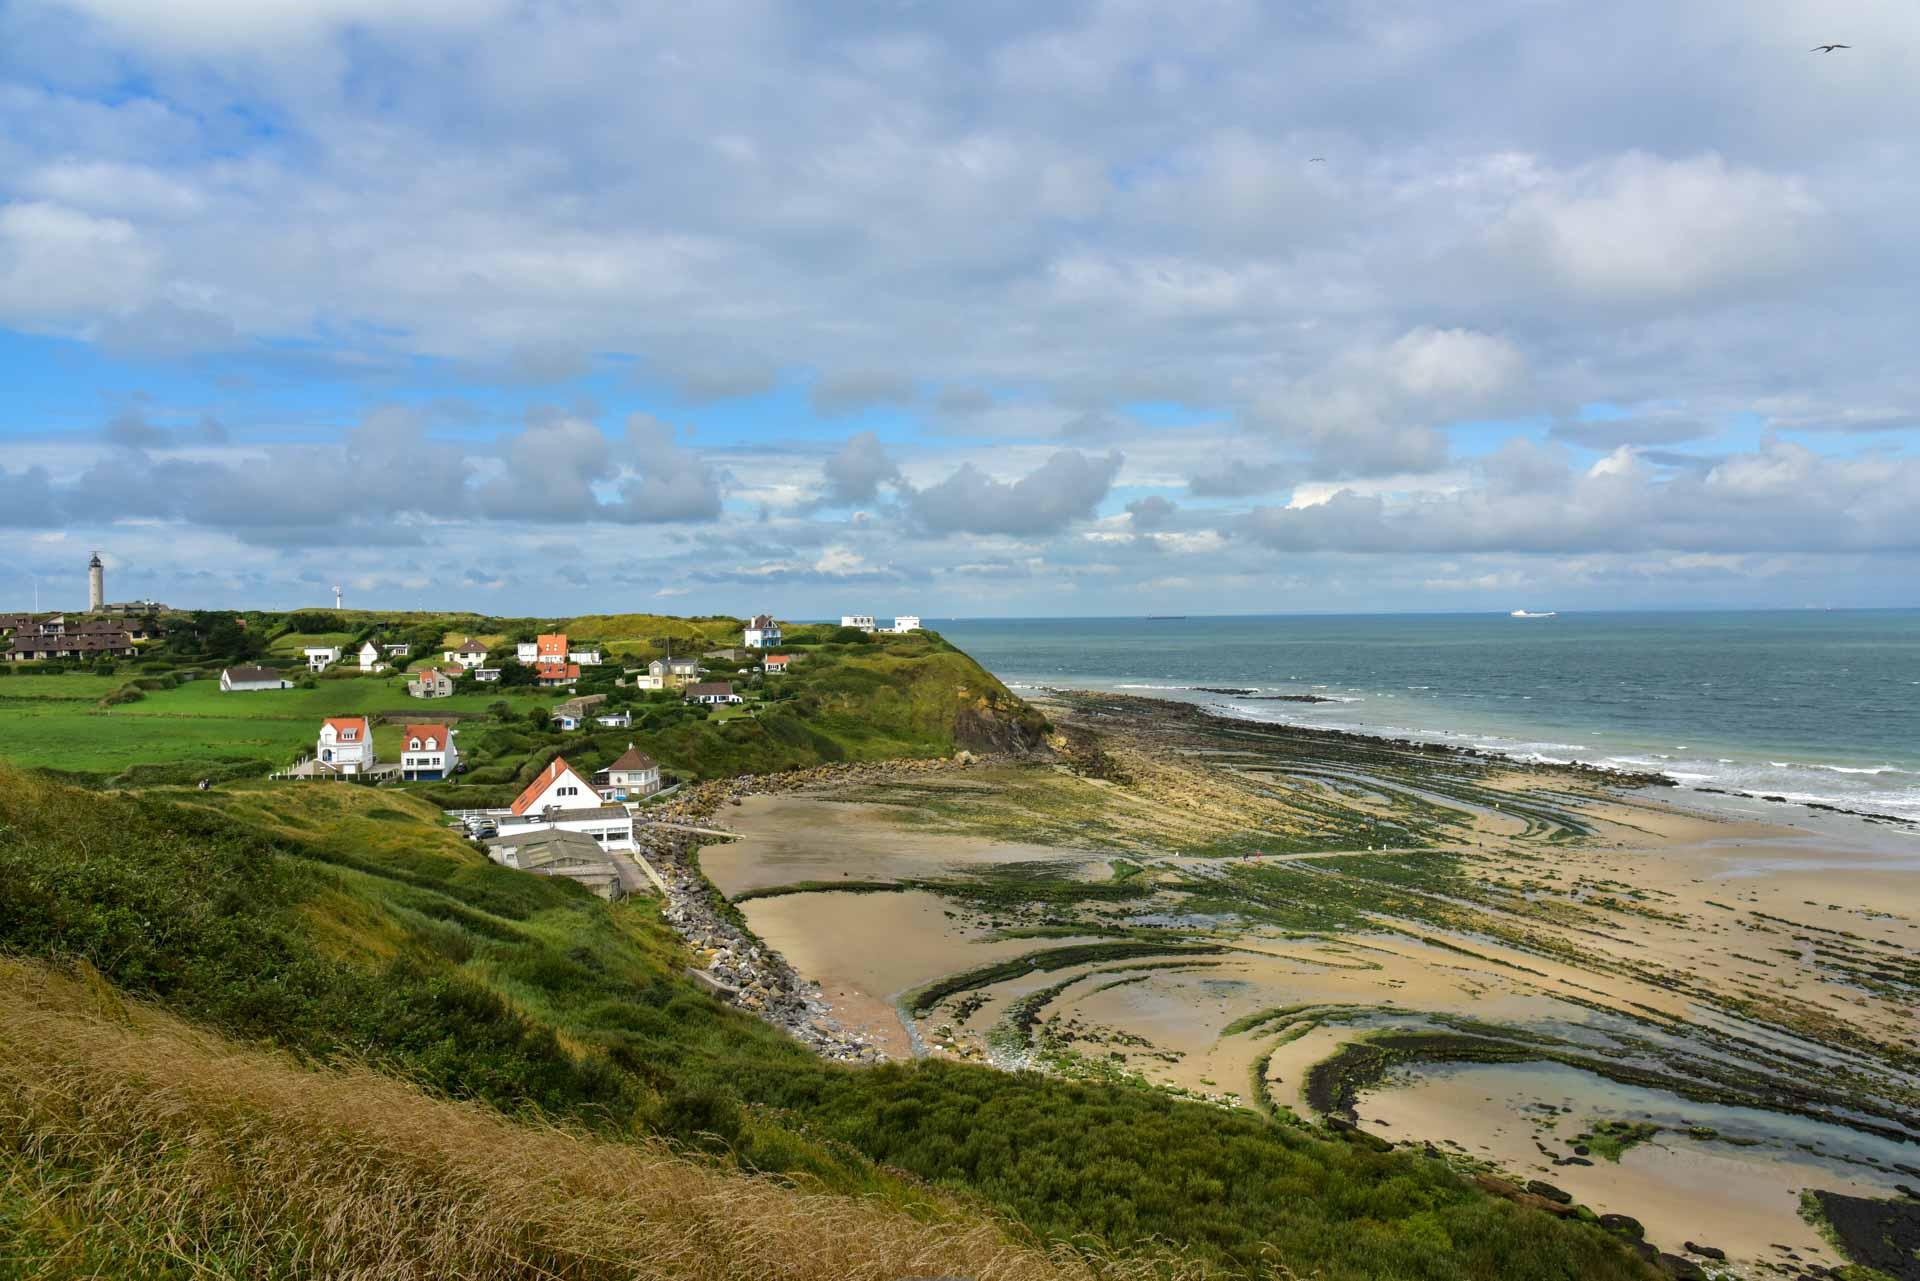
(557, 671)
(472, 646)
(440, 734)
(252, 674)
(761, 621)
(709, 687)
(634, 759)
(778, 660)
(356, 724)
(555, 771)
(555, 642)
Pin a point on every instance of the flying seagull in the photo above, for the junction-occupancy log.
(1828, 48)
(1316, 160)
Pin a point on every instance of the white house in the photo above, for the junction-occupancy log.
(527, 652)
(776, 664)
(321, 657)
(906, 623)
(587, 655)
(428, 752)
(370, 658)
(487, 675)
(712, 692)
(863, 622)
(470, 655)
(346, 744)
(615, 720)
(560, 799)
(761, 633)
(235, 680)
(397, 649)
(633, 775)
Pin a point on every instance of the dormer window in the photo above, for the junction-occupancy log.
(413, 744)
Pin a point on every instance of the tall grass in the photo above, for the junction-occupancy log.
(134, 1145)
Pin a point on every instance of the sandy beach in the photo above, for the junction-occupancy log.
(1449, 950)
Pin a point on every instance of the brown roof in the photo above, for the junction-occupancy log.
(761, 621)
(709, 687)
(471, 647)
(634, 759)
(253, 674)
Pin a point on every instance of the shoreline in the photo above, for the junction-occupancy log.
(1204, 905)
(1620, 775)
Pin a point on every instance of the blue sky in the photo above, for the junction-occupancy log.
(961, 310)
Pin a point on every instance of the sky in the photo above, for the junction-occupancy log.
(1084, 308)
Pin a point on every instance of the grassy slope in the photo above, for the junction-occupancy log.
(122, 1131)
(341, 921)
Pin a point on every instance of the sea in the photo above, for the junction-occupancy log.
(1815, 707)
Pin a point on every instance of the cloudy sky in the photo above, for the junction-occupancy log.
(961, 309)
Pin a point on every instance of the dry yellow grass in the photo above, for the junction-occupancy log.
(132, 1144)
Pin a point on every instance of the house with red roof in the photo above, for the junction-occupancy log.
(428, 752)
(346, 745)
(776, 664)
(558, 786)
(556, 674)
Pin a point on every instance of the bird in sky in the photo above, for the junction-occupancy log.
(1316, 160)
(1828, 48)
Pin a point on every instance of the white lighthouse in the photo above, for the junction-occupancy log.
(96, 585)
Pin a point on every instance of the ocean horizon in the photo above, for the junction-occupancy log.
(1817, 706)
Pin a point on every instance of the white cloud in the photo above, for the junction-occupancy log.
(1639, 226)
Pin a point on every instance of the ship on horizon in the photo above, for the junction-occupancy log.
(1525, 613)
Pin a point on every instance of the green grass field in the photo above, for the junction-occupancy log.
(56, 722)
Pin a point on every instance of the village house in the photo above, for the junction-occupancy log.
(552, 675)
(526, 653)
(42, 647)
(428, 752)
(906, 623)
(669, 673)
(550, 647)
(622, 719)
(587, 654)
(370, 658)
(432, 682)
(470, 655)
(859, 622)
(574, 856)
(712, 692)
(238, 680)
(346, 745)
(761, 633)
(398, 649)
(321, 657)
(776, 664)
(574, 713)
(631, 776)
(487, 675)
(559, 798)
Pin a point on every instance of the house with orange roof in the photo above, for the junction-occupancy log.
(428, 752)
(561, 799)
(556, 674)
(346, 745)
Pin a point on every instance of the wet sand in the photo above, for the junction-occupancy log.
(1668, 923)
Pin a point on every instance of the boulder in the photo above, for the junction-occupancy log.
(1681, 1269)
(1624, 1224)
(1541, 1188)
(1713, 1252)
